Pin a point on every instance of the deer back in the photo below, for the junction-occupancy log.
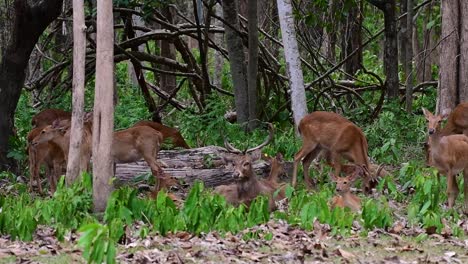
(47, 116)
(167, 132)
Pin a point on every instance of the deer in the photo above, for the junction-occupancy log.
(343, 187)
(47, 116)
(457, 123)
(449, 155)
(337, 136)
(59, 133)
(48, 154)
(167, 132)
(247, 187)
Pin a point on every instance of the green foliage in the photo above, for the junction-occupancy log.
(99, 241)
(376, 213)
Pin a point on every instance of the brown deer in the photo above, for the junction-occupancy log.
(338, 136)
(449, 154)
(48, 154)
(247, 187)
(47, 116)
(167, 132)
(59, 133)
(457, 123)
(343, 187)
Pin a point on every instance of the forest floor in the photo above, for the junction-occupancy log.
(277, 242)
(273, 242)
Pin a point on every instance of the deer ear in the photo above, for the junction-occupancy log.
(255, 155)
(56, 123)
(333, 177)
(427, 113)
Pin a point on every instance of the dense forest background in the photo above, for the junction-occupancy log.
(222, 69)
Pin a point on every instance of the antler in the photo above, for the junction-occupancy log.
(232, 149)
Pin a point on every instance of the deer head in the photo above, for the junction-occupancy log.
(343, 184)
(433, 121)
(58, 128)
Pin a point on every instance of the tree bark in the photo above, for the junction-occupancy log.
(167, 82)
(253, 64)
(236, 60)
(353, 39)
(79, 61)
(293, 62)
(29, 23)
(103, 122)
(388, 7)
(463, 59)
(218, 56)
(409, 57)
(449, 50)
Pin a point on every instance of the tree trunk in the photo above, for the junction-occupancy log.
(237, 60)
(293, 63)
(388, 7)
(409, 58)
(29, 23)
(463, 59)
(79, 60)
(103, 122)
(353, 39)
(449, 50)
(253, 64)
(218, 56)
(167, 82)
(137, 21)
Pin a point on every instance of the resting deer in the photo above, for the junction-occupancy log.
(338, 136)
(343, 187)
(167, 132)
(457, 123)
(48, 154)
(247, 186)
(47, 116)
(449, 154)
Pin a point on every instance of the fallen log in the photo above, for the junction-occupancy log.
(206, 164)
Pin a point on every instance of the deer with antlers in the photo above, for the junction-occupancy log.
(338, 137)
(449, 154)
(247, 186)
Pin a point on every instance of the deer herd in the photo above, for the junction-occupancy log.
(324, 134)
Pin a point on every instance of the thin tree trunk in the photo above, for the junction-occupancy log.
(353, 39)
(293, 63)
(218, 56)
(237, 60)
(103, 122)
(79, 60)
(449, 50)
(253, 63)
(409, 57)
(29, 22)
(167, 82)
(463, 67)
(388, 7)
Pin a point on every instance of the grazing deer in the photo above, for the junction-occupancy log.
(336, 135)
(247, 187)
(47, 116)
(457, 123)
(449, 154)
(167, 132)
(343, 187)
(48, 154)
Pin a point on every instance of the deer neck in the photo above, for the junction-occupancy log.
(63, 142)
(434, 139)
(248, 187)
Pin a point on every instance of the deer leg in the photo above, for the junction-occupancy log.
(306, 165)
(336, 161)
(452, 188)
(306, 149)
